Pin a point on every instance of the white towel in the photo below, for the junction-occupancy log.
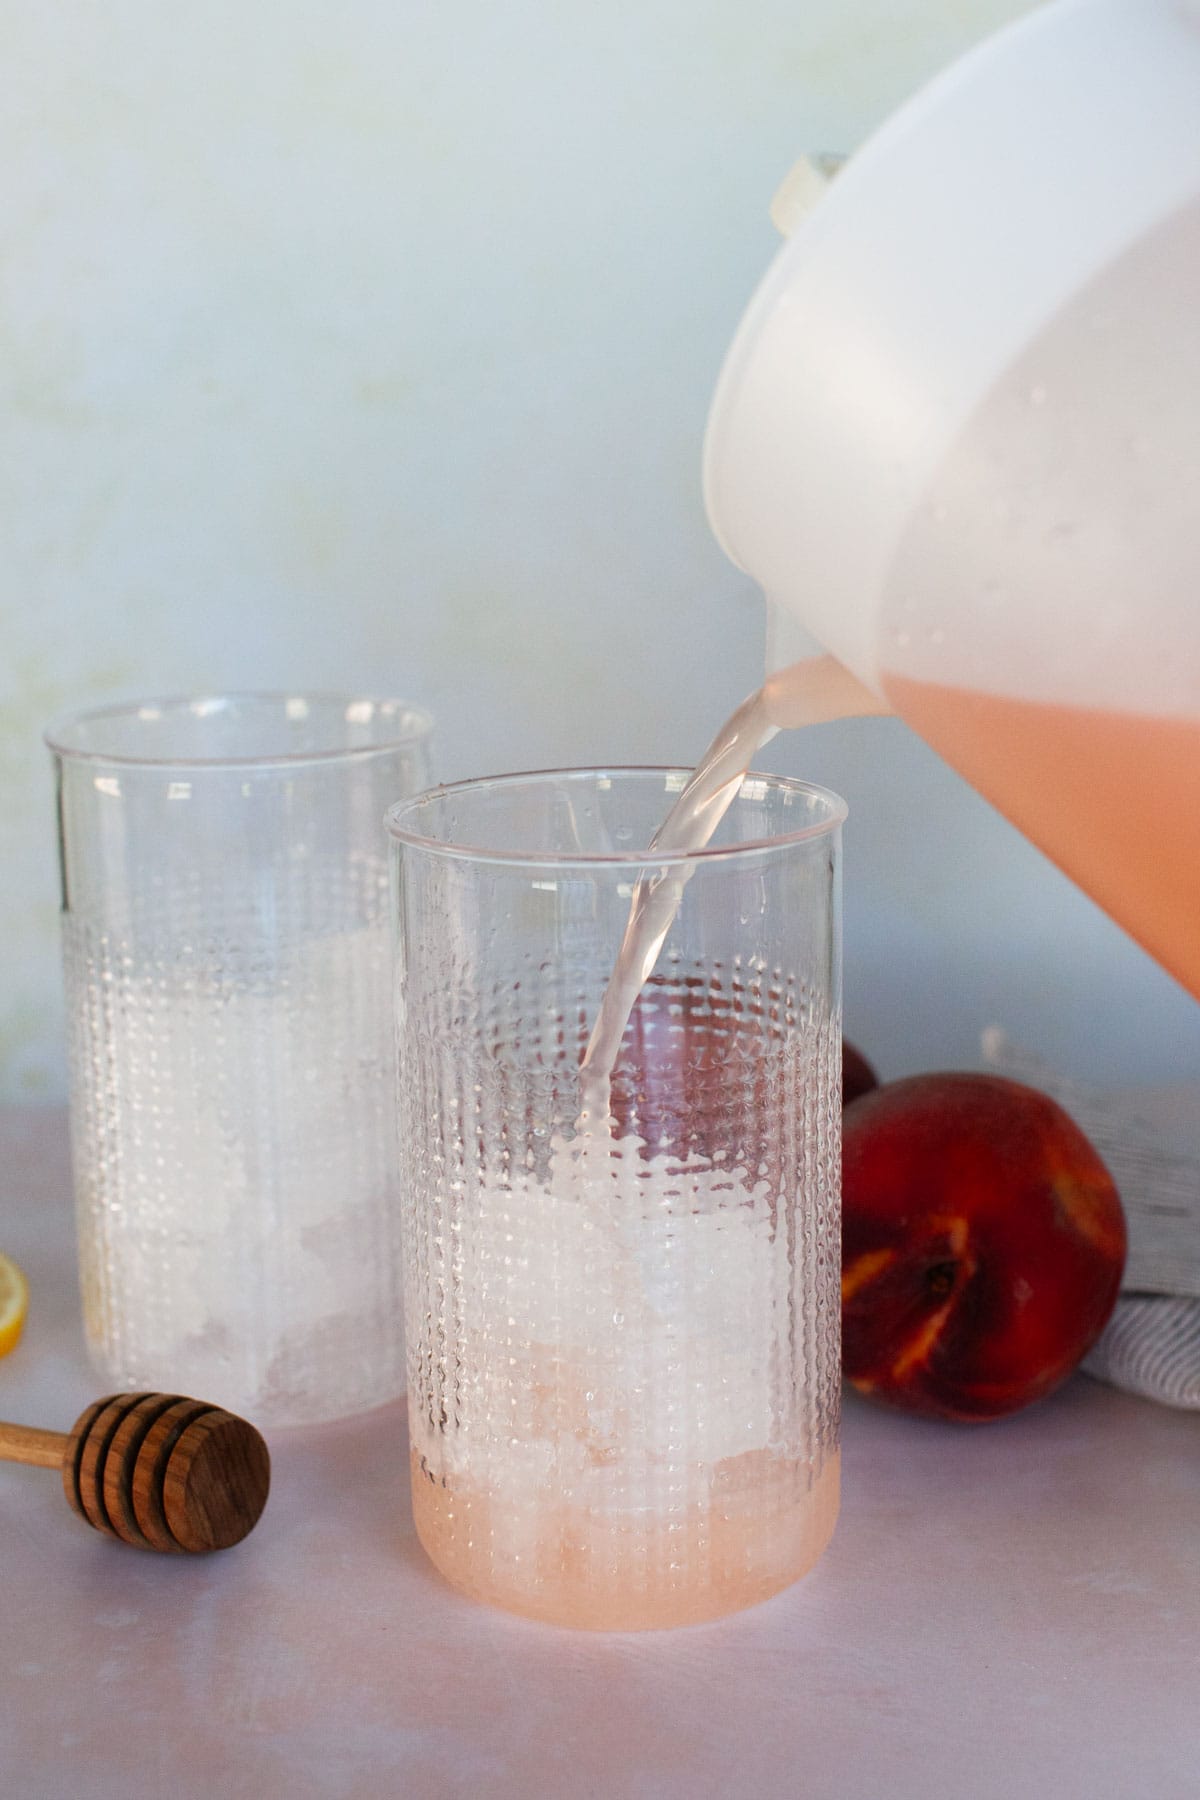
(1151, 1345)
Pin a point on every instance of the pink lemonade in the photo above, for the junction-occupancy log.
(1113, 798)
(764, 1525)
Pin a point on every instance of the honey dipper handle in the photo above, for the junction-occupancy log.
(27, 1444)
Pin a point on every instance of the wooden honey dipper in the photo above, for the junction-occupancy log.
(155, 1470)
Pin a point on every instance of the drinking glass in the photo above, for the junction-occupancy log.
(623, 1352)
(227, 967)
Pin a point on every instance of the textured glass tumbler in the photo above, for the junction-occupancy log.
(227, 961)
(623, 1334)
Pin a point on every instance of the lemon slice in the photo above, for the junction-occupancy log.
(14, 1304)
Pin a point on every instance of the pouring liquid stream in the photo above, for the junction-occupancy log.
(1052, 770)
(811, 692)
(589, 1471)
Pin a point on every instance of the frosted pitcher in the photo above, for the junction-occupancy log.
(957, 441)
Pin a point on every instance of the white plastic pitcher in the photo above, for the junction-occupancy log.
(957, 440)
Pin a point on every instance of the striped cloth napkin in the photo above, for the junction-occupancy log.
(1151, 1345)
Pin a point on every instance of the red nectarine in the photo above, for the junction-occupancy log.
(983, 1245)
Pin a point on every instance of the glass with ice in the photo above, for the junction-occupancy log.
(226, 939)
(622, 1297)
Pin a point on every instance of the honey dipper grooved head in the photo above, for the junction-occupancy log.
(167, 1473)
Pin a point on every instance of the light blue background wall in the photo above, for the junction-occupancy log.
(369, 343)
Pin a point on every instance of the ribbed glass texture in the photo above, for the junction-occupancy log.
(623, 1342)
(227, 959)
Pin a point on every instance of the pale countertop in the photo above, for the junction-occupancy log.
(1006, 1613)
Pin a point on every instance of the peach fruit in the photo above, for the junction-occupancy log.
(983, 1245)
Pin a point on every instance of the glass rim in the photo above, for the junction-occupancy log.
(609, 859)
(418, 724)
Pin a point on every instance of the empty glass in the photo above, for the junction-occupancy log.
(624, 1330)
(227, 965)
